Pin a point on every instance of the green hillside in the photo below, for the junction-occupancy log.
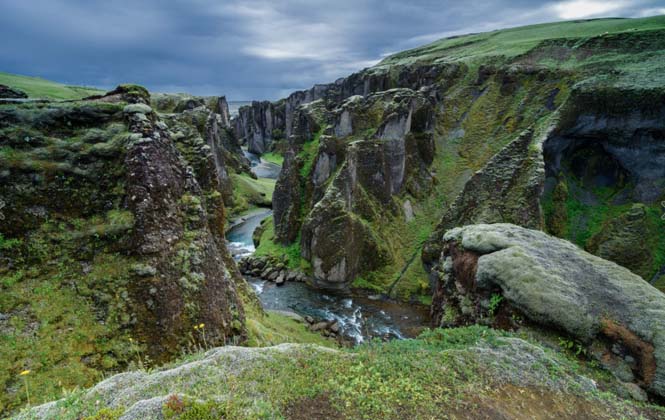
(516, 41)
(36, 87)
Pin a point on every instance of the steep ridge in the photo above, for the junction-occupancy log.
(112, 239)
(453, 133)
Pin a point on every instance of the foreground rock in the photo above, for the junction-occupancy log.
(506, 271)
(473, 373)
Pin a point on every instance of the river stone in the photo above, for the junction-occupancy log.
(280, 279)
(554, 283)
(319, 326)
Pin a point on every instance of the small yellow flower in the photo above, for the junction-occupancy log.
(196, 327)
(131, 339)
(25, 372)
(202, 325)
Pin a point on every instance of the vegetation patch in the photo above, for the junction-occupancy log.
(36, 87)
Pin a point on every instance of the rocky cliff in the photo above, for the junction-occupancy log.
(112, 238)
(451, 134)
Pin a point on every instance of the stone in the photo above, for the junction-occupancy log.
(319, 326)
(137, 109)
(144, 270)
(632, 391)
(408, 211)
(554, 283)
(279, 281)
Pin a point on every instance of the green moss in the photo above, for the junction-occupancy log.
(273, 157)
(289, 253)
(362, 283)
(271, 328)
(106, 414)
(249, 192)
(308, 154)
(188, 409)
(66, 297)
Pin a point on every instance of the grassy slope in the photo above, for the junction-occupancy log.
(36, 87)
(440, 375)
(249, 192)
(515, 41)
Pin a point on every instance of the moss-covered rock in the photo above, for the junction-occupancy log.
(555, 284)
(113, 243)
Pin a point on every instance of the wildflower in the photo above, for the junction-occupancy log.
(202, 325)
(25, 381)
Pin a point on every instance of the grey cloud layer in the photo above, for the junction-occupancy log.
(255, 49)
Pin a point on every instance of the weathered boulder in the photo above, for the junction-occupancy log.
(553, 283)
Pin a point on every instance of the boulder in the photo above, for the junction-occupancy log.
(553, 283)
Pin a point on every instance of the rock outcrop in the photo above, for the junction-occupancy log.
(120, 221)
(11, 93)
(259, 125)
(370, 154)
(503, 139)
(488, 271)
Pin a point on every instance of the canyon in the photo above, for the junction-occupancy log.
(510, 184)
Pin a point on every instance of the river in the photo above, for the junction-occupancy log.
(360, 315)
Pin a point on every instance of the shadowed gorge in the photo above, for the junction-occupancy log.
(473, 228)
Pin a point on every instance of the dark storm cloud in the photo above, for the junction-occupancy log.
(250, 49)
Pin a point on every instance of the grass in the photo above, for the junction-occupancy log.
(308, 154)
(515, 41)
(272, 328)
(273, 157)
(440, 372)
(249, 192)
(290, 253)
(36, 87)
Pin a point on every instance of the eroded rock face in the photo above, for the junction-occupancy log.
(263, 122)
(354, 179)
(258, 125)
(604, 171)
(130, 213)
(180, 233)
(507, 189)
(209, 144)
(555, 284)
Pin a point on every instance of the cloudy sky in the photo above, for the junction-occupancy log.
(250, 49)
